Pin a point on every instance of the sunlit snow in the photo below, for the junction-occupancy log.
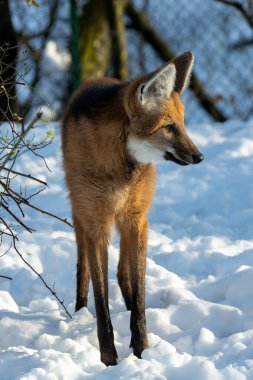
(199, 293)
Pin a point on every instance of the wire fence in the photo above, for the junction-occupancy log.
(218, 34)
(222, 42)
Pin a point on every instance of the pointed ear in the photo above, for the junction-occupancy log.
(159, 86)
(183, 63)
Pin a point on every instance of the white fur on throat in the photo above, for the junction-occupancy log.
(143, 151)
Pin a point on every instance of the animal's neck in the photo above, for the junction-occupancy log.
(114, 156)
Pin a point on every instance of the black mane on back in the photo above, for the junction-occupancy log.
(91, 101)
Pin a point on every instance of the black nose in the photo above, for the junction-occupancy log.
(197, 158)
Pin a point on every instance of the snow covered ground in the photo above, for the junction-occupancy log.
(199, 295)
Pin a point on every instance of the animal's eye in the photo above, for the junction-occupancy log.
(170, 127)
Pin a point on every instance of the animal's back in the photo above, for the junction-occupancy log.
(93, 98)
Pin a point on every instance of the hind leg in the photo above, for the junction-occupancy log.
(124, 271)
(83, 272)
(98, 259)
(134, 231)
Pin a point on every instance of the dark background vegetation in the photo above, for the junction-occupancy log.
(53, 46)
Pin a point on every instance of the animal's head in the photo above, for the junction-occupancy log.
(156, 113)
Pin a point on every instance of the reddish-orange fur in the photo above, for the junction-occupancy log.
(107, 186)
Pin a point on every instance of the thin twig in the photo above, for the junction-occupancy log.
(48, 213)
(6, 208)
(22, 136)
(7, 277)
(42, 279)
(26, 202)
(36, 193)
(242, 43)
(6, 233)
(14, 237)
(21, 139)
(23, 175)
(8, 194)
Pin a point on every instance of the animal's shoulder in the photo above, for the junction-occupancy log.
(94, 97)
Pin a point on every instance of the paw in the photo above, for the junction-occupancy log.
(81, 302)
(109, 358)
(139, 346)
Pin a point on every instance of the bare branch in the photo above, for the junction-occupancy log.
(14, 142)
(36, 193)
(25, 201)
(14, 237)
(7, 189)
(237, 5)
(7, 209)
(21, 199)
(22, 136)
(242, 43)
(6, 277)
(23, 175)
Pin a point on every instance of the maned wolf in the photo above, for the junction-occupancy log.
(113, 133)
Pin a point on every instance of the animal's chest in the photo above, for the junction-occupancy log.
(118, 196)
(132, 195)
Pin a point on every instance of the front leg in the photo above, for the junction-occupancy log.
(138, 327)
(135, 232)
